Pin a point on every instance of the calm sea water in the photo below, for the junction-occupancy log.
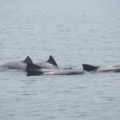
(74, 32)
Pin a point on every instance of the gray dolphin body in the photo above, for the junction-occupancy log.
(33, 69)
(18, 64)
(49, 64)
(113, 68)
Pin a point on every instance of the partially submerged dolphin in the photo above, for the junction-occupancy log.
(49, 64)
(18, 64)
(113, 68)
(33, 69)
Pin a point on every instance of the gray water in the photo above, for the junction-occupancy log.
(73, 32)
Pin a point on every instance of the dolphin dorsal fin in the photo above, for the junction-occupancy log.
(31, 66)
(89, 67)
(28, 60)
(52, 61)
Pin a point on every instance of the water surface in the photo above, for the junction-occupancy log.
(74, 32)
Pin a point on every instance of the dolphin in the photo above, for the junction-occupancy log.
(18, 64)
(33, 69)
(49, 64)
(113, 68)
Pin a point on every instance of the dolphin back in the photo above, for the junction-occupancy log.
(31, 66)
(33, 72)
(33, 69)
